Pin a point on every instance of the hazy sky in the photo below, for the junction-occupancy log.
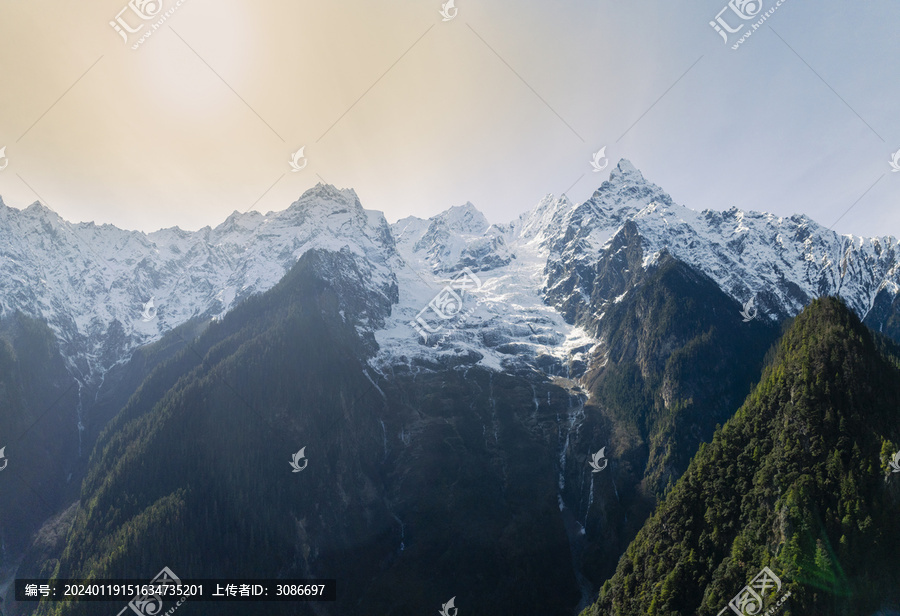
(499, 106)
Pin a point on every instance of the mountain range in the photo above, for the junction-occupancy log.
(90, 283)
(449, 379)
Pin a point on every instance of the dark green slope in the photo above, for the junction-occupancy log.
(679, 360)
(675, 360)
(194, 472)
(123, 379)
(38, 431)
(797, 481)
(475, 484)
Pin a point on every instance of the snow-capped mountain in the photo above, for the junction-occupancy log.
(457, 238)
(91, 283)
(492, 361)
(530, 293)
(541, 297)
(783, 262)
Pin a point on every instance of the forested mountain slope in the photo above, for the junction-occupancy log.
(798, 481)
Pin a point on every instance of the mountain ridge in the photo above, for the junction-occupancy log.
(780, 262)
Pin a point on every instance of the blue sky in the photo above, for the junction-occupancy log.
(499, 106)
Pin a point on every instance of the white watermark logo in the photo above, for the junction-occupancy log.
(296, 157)
(749, 312)
(152, 604)
(895, 160)
(138, 12)
(598, 156)
(727, 23)
(448, 10)
(596, 458)
(447, 304)
(895, 462)
(449, 609)
(296, 458)
(3, 457)
(749, 602)
(149, 312)
(744, 9)
(3, 158)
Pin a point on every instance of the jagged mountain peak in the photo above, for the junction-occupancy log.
(783, 262)
(627, 191)
(409, 230)
(38, 210)
(237, 222)
(328, 192)
(37, 206)
(625, 171)
(464, 218)
(537, 222)
(458, 237)
(323, 200)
